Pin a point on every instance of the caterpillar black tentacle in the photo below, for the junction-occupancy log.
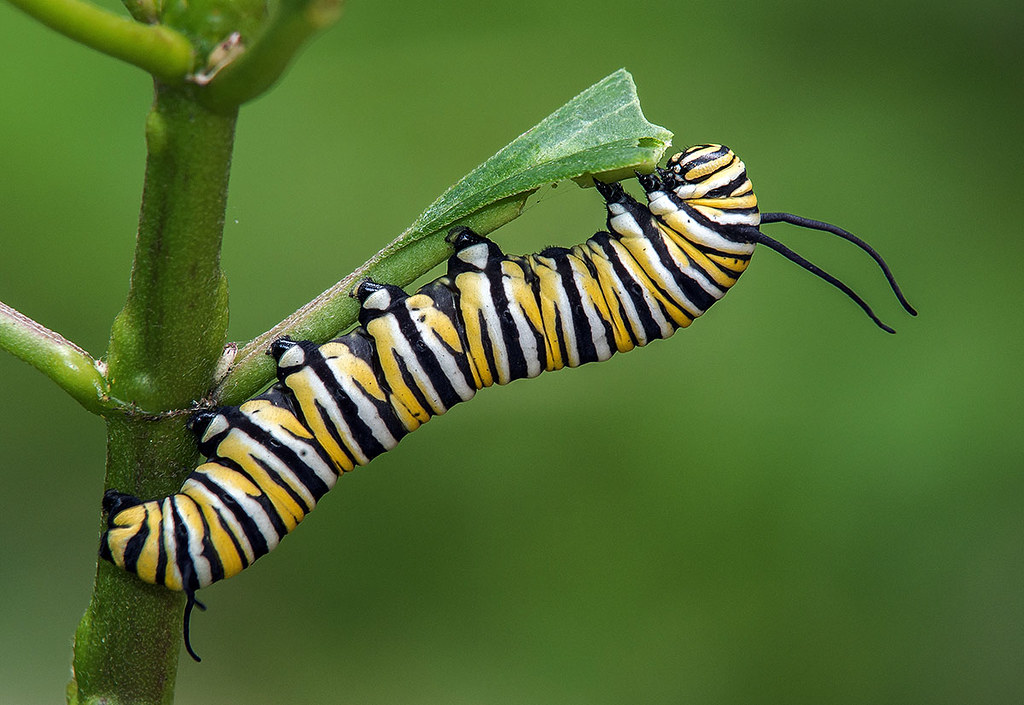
(846, 235)
(491, 319)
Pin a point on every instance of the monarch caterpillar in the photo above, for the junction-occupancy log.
(493, 318)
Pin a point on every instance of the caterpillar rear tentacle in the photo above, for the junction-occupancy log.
(491, 319)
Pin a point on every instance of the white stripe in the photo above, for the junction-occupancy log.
(492, 327)
(619, 286)
(594, 320)
(202, 569)
(655, 266)
(695, 273)
(367, 410)
(337, 419)
(167, 539)
(682, 223)
(527, 340)
(447, 361)
(305, 450)
(729, 217)
(635, 269)
(401, 347)
(202, 494)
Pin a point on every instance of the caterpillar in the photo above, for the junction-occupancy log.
(491, 319)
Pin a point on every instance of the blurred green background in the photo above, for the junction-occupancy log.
(781, 505)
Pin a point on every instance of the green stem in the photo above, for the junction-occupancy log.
(164, 346)
(172, 328)
(73, 369)
(155, 48)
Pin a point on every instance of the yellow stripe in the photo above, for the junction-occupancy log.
(383, 330)
(610, 286)
(145, 568)
(650, 279)
(275, 415)
(220, 537)
(550, 286)
(440, 324)
(470, 285)
(301, 384)
(238, 448)
(521, 294)
(697, 257)
(344, 363)
(128, 523)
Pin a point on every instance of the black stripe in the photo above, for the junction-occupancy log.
(133, 547)
(182, 555)
(486, 346)
(366, 444)
(428, 362)
(726, 190)
(362, 346)
(163, 558)
(691, 163)
(636, 290)
(508, 333)
(729, 232)
(257, 541)
(432, 370)
(692, 289)
(586, 350)
(447, 302)
(269, 441)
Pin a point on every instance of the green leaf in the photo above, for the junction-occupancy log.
(600, 131)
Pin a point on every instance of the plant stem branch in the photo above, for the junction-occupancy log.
(72, 368)
(158, 49)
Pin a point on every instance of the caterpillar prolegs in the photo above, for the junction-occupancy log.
(491, 319)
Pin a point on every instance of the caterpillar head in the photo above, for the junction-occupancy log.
(709, 172)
